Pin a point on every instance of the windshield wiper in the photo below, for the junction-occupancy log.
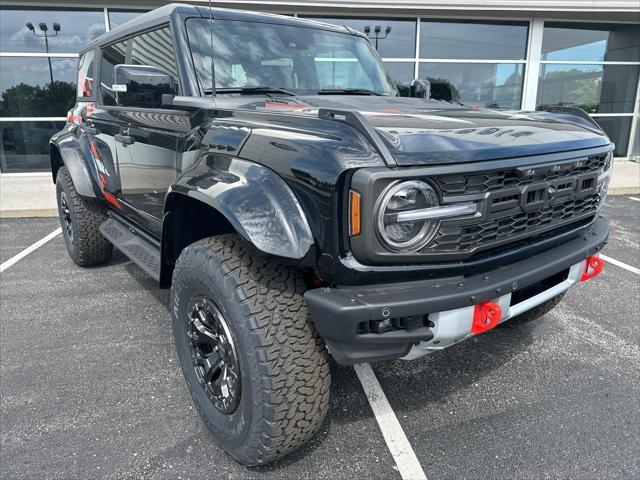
(257, 89)
(347, 91)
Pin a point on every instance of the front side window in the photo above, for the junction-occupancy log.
(112, 55)
(155, 49)
(85, 75)
(299, 59)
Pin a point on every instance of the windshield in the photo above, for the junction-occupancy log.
(301, 60)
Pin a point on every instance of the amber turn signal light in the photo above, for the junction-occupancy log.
(355, 221)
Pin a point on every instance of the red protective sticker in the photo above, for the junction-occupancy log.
(486, 315)
(593, 268)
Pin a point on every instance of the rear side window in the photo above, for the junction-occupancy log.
(155, 49)
(112, 55)
(85, 75)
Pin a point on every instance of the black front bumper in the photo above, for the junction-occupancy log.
(339, 313)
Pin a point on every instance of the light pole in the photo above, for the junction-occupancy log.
(376, 35)
(44, 28)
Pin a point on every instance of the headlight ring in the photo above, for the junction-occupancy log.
(403, 197)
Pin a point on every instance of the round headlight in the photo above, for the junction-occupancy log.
(398, 231)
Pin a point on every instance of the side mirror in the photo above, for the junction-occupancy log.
(420, 88)
(142, 85)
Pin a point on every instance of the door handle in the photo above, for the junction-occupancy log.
(124, 139)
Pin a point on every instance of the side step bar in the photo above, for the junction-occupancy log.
(136, 245)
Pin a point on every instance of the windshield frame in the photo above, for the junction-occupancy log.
(375, 57)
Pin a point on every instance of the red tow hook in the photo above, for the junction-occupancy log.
(593, 268)
(486, 315)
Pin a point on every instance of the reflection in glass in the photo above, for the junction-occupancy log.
(598, 42)
(26, 89)
(618, 130)
(24, 146)
(399, 43)
(399, 71)
(594, 88)
(118, 17)
(473, 40)
(491, 85)
(77, 28)
(299, 59)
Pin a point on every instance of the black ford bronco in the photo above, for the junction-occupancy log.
(266, 169)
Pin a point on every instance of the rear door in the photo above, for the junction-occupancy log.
(147, 156)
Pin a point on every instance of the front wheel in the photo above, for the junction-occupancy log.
(256, 368)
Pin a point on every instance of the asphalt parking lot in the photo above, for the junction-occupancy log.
(91, 386)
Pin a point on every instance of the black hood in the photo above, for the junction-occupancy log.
(419, 132)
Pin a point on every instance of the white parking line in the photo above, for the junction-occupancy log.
(28, 250)
(397, 441)
(635, 198)
(620, 264)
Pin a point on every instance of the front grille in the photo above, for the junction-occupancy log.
(511, 227)
(462, 184)
(520, 204)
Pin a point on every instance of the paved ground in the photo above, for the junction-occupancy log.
(91, 387)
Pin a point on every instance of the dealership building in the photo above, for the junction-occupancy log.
(498, 54)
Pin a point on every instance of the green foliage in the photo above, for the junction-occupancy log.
(51, 100)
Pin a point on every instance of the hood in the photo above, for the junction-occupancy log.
(419, 132)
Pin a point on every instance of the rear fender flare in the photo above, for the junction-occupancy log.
(74, 159)
(255, 200)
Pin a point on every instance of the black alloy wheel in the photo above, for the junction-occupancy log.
(214, 355)
(65, 214)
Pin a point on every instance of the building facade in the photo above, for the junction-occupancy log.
(516, 54)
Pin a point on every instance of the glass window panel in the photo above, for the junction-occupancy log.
(594, 88)
(26, 89)
(635, 149)
(491, 85)
(112, 55)
(400, 42)
(473, 40)
(591, 42)
(296, 58)
(156, 49)
(77, 28)
(24, 146)
(400, 71)
(618, 129)
(118, 17)
(85, 75)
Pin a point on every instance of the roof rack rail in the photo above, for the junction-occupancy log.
(360, 123)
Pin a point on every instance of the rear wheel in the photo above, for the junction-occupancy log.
(80, 220)
(256, 368)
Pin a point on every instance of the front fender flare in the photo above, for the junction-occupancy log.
(255, 200)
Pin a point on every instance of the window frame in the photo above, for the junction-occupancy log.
(128, 39)
(96, 84)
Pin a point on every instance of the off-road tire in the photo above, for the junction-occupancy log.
(86, 246)
(536, 313)
(283, 362)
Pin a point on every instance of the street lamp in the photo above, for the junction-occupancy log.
(43, 27)
(376, 35)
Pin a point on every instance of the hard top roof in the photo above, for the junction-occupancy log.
(164, 14)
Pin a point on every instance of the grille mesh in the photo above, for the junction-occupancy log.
(460, 184)
(466, 238)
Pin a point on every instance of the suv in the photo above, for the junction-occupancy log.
(266, 170)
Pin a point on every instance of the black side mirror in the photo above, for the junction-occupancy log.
(420, 88)
(142, 85)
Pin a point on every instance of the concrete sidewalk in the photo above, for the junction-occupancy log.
(24, 195)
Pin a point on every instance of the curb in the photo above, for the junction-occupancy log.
(632, 190)
(39, 212)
